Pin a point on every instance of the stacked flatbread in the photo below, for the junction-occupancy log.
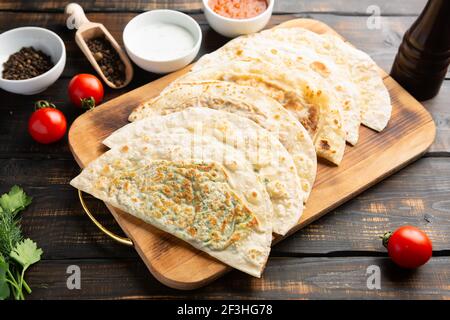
(227, 154)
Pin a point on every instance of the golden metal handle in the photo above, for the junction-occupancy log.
(113, 236)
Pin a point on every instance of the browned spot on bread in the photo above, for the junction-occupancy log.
(324, 144)
(320, 68)
(235, 237)
(347, 105)
(310, 120)
(192, 231)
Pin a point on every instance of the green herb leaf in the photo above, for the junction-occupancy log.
(16, 255)
(14, 201)
(10, 204)
(26, 253)
(10, 233)
(4, 287)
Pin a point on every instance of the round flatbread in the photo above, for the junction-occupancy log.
(316, 110)
(269, 158)
(373, 97)
(192, 200)
(247, 102)
(298, 59)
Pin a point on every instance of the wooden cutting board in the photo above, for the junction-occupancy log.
(410, 132)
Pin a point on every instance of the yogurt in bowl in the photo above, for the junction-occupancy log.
(162, 41)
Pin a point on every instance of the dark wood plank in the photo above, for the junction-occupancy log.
(439, 107)
(55, 219)
(14, 142)
(410, 133)
(387, 7)
(103, 5)
(284, 278)
(351, 7)
(381, 44)
(416, 195)
(115, 23)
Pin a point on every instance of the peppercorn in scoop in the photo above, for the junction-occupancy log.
(108, 59)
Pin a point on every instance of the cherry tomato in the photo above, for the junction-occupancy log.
(409, 247)
(47, 124)
(86, 91)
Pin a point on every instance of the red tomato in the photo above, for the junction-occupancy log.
(409, 247)
(86, 91)
(47, 124)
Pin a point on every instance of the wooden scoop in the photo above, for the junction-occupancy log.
(88, 30)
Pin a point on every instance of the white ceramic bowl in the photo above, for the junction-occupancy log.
(235, 27)
(42, 39)
(165, 16)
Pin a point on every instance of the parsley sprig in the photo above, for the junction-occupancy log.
(16, 254)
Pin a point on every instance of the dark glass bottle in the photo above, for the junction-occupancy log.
(424, 55)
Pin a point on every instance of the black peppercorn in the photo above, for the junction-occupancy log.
(25, 64)
(108, 59)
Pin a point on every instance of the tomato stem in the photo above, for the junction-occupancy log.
(386, 236)
(43, 104)
(88, 103)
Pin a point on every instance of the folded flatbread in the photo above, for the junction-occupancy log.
(190, 147)
(301, 60)
(373, 97)
(190, 200)
(313, 106)
(243, 101)
(269, 158)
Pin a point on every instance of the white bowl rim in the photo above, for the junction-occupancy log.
(157, 11)
(58, 38)
(269, 8)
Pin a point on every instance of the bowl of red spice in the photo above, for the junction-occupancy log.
(232, 18)
(31, 59)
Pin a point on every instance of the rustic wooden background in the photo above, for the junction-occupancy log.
(326, 260)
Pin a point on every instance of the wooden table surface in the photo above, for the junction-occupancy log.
(326, 260)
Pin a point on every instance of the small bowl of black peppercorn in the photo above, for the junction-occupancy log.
(31, 60)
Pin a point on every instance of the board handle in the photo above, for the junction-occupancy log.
(110, 234)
